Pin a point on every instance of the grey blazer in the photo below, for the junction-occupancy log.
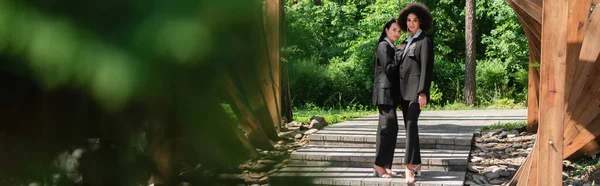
(386, 88)
(416, 68)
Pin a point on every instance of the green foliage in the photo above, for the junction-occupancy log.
(505, 126)
(339, 39)
(332, 115)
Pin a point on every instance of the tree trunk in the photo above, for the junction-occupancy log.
(470, 83)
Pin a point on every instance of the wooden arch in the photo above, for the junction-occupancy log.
(564, 93)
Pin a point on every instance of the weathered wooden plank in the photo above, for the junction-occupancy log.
(552, 81)
(577, 24)
(532, 8)
(583, 138)
(587, 110)
(590, 49)
(584, 88)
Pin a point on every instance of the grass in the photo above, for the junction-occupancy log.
(331, 115)
(505, 126)
(500, 104)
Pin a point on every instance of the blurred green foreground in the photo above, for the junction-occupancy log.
(143, 77)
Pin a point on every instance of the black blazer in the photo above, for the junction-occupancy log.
(386, 88)
(416, 68)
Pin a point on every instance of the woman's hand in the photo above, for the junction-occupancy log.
(422, 100)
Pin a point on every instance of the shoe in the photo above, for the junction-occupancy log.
(376, 174)
(409, 180)
(416, 172)
(391, 172)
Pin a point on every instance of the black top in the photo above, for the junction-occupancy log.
(386, 88)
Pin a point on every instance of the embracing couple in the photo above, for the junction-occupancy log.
(402, 79)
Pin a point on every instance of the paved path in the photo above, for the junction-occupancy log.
(343, 154)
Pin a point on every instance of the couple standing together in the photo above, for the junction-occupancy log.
(402, 79)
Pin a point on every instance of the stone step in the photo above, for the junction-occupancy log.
(359, 176)
(432, 159)
(367, 138)
(451, 118)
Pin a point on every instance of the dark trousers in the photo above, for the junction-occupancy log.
(387, 133)
(410, 113)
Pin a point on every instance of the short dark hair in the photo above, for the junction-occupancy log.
(421, 11)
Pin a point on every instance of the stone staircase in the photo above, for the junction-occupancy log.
(343, 154)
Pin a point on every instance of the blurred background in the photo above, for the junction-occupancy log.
(123, 92)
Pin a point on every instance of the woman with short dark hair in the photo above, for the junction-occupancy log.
(415, 79)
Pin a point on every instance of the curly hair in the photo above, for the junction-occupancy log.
(421, 11)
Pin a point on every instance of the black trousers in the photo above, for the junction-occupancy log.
(410, 113)
(387, 135)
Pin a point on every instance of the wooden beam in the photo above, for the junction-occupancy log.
(248, 121)
(584, 138)
(552, 81)
(533, 106)
(527, 21)
(271, 74)
(532, 8)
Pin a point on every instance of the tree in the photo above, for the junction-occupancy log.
(469, 91)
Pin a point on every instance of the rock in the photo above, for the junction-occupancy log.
(496, 182)
(520, 128)
(492, 175)
(510, 149)
(577, 182)
(515, 132)
(470, 183)
(505, 174)
(259, 167)
(476, 159)
(565, 175)
(298, 136)
(516, 146)
(255, 185)
(231, 178)
(502, 135)
(471, 167)
(512, 135)
(495, 132)
(267, 162)
(482, 154)
(311, 131)
(489, 145)
(264, 179)
(317, 122)
(497, 169)
(294, 124)
(477, 179)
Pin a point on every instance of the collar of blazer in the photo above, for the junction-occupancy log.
(411, 40)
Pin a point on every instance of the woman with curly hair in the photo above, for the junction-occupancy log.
(415, 74)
